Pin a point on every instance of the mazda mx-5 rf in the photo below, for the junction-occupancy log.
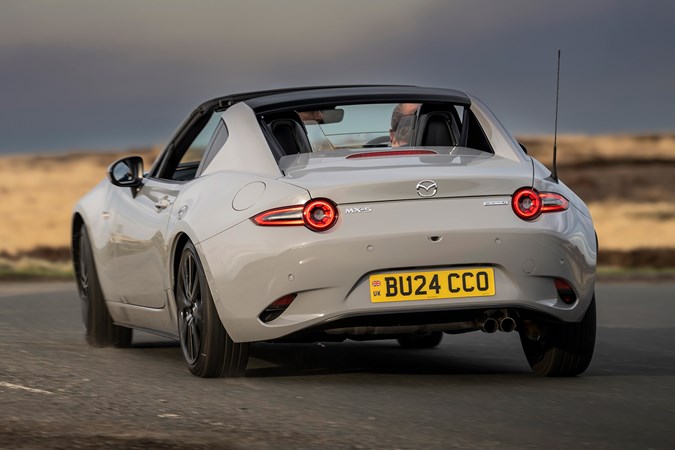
(332, 213)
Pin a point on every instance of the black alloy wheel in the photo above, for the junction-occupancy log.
(100, 331)
(207, 348)
(191, 305)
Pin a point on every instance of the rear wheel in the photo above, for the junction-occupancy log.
(564, 349)
(421, 340)
(100, 329)
(207, 348)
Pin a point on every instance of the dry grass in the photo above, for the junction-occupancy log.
(627, 181)
(35, 268)
(39, 192)
(627, 226)
(577, 149)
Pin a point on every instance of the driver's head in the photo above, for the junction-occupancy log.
(399, 133)
(403, 133)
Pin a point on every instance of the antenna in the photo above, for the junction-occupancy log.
(554, 173)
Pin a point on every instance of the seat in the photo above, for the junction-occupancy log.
(290, 134)
(436, 130)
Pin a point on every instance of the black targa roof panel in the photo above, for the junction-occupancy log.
(351, 95)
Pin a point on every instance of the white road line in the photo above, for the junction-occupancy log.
(23, 388)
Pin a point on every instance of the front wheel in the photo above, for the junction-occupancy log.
(564, 349)
(207, 348)
(100, 331)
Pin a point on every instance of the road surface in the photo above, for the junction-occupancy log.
(475, 390)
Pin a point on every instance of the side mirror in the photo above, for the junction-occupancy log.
(127, 172)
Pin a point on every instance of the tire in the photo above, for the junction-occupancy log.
(565, 349)
(207, 348)
(422, 340)
(100, 331)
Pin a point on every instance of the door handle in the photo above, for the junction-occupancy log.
(162, 204)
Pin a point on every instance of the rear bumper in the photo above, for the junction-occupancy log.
(248, 266)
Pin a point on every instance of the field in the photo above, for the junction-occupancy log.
(626, 180)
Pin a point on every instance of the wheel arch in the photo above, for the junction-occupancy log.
(177, 246)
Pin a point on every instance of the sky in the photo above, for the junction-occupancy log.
(99, 75)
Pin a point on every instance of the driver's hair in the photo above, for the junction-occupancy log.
(401, 110)
(402, 133)
(396, 116)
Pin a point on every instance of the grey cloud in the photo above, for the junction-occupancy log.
(78, 74)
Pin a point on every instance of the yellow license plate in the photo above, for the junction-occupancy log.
(441, 284)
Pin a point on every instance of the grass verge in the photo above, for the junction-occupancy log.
(35, 269)
(635, 273)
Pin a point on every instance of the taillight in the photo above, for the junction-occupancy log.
(551, 202)
(318, 215)
(290, 215)
(528, 203)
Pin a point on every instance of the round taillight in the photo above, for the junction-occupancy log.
(319, 214)
(526, 203)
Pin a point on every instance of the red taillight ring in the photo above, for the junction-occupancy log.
(319, 214)
(526, 203)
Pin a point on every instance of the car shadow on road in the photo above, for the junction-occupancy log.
(386, 357)
(156, 344)
(618, 352)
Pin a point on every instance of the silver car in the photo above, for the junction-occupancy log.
(333, 213)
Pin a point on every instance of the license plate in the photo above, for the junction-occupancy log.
(441, 284)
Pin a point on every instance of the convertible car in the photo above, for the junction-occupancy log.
(332, 213)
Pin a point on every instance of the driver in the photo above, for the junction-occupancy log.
(402, 119)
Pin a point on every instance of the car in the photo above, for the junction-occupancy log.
(322, 214)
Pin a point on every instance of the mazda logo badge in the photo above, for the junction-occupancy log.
(427, 188)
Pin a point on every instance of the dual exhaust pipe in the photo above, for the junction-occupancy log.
(491, 325)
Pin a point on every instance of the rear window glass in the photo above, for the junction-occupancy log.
(383, 125)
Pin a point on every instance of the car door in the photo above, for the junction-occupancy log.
(142, 218)
(139, 241)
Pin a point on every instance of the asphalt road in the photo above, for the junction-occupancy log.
(475, 390)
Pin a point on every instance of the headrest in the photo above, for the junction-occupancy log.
(437, 130)
(290, 133)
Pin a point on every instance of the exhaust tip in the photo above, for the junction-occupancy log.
(489, 325)
(507, 324)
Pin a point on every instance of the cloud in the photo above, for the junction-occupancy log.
(99, 74)
(251, 31)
